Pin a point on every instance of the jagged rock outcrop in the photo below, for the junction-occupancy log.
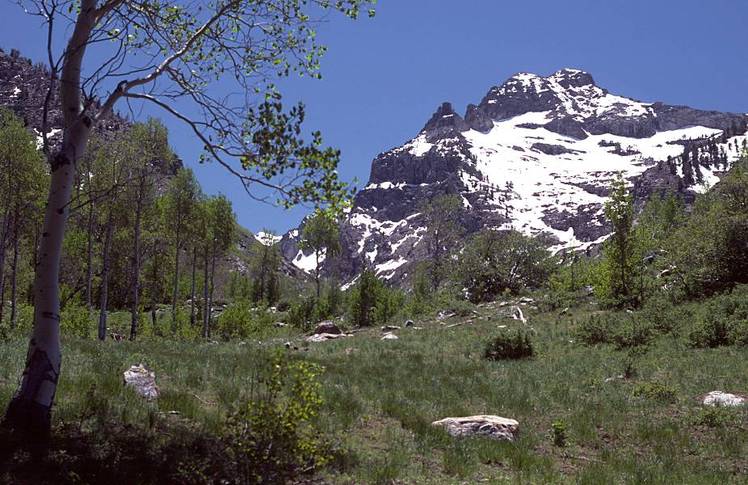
(537, 154)
(23, 90)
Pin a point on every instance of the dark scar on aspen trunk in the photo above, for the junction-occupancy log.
(59, 161)
(51, 315)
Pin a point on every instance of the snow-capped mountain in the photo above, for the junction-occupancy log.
(538, 155)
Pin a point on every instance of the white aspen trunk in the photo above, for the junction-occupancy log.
(210, 298)
(89, 258)
(316, 271)
(14, 273)
(104, 292)
(30, 408)
(176, 286)
(29, 411)
(192, 296)
(206, 298)
(136, 265)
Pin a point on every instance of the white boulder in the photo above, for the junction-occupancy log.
(323, 337)
(142, 381)
(494, 427)
(719, 398)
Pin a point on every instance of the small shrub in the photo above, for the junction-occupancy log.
(557, 299)
(655, 391)
(714, 417)
(664, 316)
(241, 320)
(76, 320)
(594, 330)
(184, 329)
(274, 436)
(739, 333)
(625, 330)
(712, 331)
(629, 370)
(371, 302)
(633, 332)
(390, 301)
(145, 325)
(558, 432)
(723, 321)
(509, 345)
(303, 313)
(283, 306)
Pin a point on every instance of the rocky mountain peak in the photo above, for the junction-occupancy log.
(537, 155)
(444, 121)
(571, 78)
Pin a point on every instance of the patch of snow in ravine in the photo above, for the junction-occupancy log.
(390, 267)
(307, 262)
(267, 239)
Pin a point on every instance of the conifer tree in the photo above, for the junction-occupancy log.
(321, 236)
(687, 169)
(443, 221)
(620, 252)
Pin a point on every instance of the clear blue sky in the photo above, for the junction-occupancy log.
(383, 77)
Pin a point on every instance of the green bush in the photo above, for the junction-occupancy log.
(594, 330)
(76, 320)
(275, 436)
(184, 329)
(363, 299)
(664, 316)
(558, 432)
(632, 332)
(739, 333)
(241, 320)
(655, 391)
(371, 303)
(303, 314)
(389, 303)
(509, 345)
(494, 262)
(711, 331)
(714, 416)
(709, 250)
(722, 321)
(625, 330)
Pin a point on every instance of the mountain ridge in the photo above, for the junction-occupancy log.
(536, 154)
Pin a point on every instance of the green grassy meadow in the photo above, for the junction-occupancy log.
(381, 396)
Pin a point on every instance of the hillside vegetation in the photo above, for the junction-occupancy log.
(379, 398)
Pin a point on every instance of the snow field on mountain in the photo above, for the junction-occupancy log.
(543, 183)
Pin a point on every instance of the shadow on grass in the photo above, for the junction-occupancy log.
(113, 453)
